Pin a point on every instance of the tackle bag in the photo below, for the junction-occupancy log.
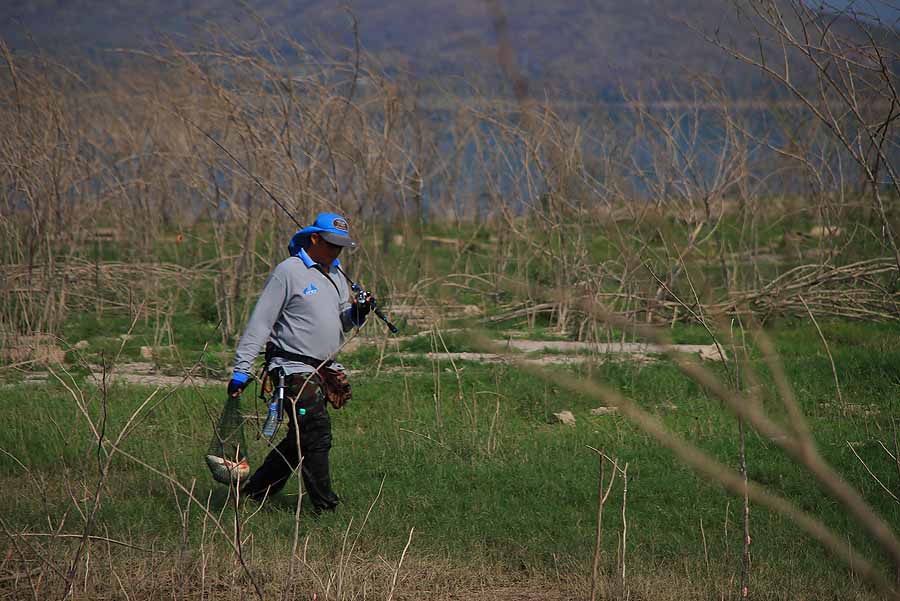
(337, 386)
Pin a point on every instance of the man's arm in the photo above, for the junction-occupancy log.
(347, 322)
(346, 306)
(268, 308)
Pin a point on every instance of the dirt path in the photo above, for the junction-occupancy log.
(553, 352)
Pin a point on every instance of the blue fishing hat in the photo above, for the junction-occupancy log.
(331, 226)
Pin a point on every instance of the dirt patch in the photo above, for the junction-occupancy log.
(146, 374)
(492, 358)
(561, 353)
(606, 348)
(564, 352)
(37, 350)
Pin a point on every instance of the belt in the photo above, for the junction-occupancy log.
(273, 351)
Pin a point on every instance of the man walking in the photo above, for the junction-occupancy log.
(301, 316)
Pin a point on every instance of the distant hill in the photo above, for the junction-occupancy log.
(594, 46)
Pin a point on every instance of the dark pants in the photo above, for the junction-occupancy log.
(315, 443)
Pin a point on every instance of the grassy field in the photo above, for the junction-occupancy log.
(463, 459)
(456, 478)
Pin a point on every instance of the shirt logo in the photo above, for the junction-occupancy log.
(311, 289)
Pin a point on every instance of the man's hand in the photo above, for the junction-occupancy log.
(237, 384)
(360, 310)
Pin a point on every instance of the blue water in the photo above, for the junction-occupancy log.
(660, 155)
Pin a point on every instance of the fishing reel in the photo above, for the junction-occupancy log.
(363, 296)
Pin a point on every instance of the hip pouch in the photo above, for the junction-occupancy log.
(337, 387)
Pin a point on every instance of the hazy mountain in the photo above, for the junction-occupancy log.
(593, 45)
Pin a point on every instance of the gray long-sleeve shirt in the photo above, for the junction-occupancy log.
(300, 311)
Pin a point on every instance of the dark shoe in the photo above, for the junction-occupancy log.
(327, 502)
(318, 507)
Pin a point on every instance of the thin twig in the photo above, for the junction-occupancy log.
(837, 383)
(399, 564)
(880, 483)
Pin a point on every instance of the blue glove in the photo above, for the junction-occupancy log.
(237, 384)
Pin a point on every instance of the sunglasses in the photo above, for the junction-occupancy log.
(327, 243)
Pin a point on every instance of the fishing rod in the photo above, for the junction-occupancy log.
(249, 173)
(362, 295)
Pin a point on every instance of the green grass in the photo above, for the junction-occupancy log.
(474, 462)
(477, 467)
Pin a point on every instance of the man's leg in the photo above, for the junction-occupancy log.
(315, 442)
(274, 472)
(281, 461)
(315, 445)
